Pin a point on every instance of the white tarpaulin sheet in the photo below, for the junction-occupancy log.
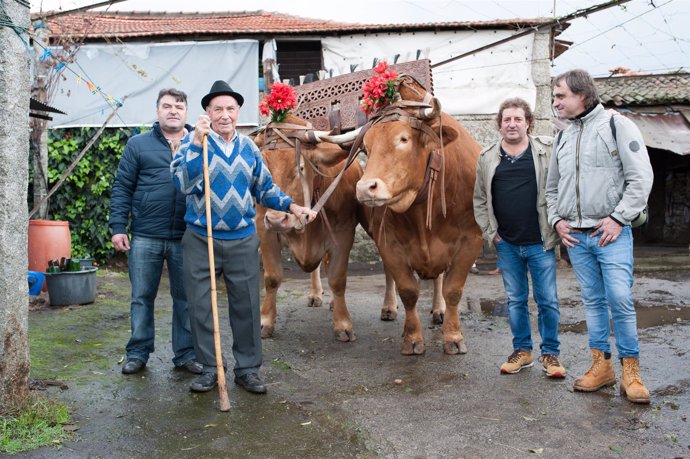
(476, 84)
(139, 71)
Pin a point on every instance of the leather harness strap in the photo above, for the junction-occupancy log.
(354, 149)
(435, 164)
(272, 142)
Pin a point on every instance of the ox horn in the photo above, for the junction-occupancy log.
(310, 136)
(431, 112)
(338, 139)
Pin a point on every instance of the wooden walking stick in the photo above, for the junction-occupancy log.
(224, 401)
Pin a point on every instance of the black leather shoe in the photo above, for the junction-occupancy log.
(251, 383)
(204, 383)
(132, 366)
(192, 366)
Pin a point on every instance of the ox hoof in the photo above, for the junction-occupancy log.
(267, 331)
(413, 348)
(330, 306)
(455, 348)
(345, 335)
(437, 318)
(388, 315)
(314, 302)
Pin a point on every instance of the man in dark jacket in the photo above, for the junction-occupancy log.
(144, 189)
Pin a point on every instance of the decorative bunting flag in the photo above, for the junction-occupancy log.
(94, 89)
(46, 54)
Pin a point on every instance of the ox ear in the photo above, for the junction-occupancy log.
(259, 138)
(441, 125)
(328, 154)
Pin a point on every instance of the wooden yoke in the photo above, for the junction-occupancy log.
(324, 99)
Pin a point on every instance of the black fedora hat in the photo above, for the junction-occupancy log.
(221, 88)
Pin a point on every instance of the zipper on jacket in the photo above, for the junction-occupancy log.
(171, 228)
(171, 231)
(577, 173)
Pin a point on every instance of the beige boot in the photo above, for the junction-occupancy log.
(600, 374)
(632, 386)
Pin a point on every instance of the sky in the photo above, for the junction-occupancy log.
(649, 36)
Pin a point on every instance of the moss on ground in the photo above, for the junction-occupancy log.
(76, 342)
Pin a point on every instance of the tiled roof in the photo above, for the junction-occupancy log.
(92, 25)
(645, 89)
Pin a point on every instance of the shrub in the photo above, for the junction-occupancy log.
(83, 199)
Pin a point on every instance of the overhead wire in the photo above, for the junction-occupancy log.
(629, 54)
(419, 6)
(616, 26)
(88, 78)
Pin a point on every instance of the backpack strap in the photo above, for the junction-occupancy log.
(612, 123)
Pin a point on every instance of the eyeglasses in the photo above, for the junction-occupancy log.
(231, 110)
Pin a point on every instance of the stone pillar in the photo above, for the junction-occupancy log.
(14, 158)
(541, 74)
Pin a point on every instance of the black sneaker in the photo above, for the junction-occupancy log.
(251, 383)
(204, 383)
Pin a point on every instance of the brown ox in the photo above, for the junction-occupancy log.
(399, 149)
(309, 245)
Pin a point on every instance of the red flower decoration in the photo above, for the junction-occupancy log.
(278, 102)
(379, 90)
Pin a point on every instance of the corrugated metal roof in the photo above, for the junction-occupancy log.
(667, 131)
(645, 89)
(93, 25)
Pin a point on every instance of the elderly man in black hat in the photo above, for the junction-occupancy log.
(238, 177)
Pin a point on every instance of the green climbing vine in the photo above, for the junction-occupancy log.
(83, 200)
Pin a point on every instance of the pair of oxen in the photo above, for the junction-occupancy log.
(414, 198)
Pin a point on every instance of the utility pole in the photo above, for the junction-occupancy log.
(14, 178)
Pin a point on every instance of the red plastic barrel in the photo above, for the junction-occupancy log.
(48, 239)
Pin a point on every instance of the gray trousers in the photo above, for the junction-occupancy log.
(238, 261)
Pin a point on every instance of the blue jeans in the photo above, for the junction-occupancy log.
(515, 261)
(605, 275)
(146, 256)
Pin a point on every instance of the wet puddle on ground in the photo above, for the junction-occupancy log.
(648, 316)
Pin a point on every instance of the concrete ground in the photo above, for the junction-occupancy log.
(363, 399)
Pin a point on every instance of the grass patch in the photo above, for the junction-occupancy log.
(280, 364)
(36, 424)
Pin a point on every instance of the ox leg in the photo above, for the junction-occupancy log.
(389, 310)
(273, 277)
(438, 304)
(315, 298)
(413, 339)
(337, 280)
(453, 286)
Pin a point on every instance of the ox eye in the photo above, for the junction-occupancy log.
(404, 139)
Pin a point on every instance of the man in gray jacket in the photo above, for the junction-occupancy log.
(510, 208)
(599, 181)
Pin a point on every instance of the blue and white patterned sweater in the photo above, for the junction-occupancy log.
(236, 178)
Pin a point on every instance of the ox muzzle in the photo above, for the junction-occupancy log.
(283, 222)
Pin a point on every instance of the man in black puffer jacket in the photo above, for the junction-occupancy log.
(144, 191)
